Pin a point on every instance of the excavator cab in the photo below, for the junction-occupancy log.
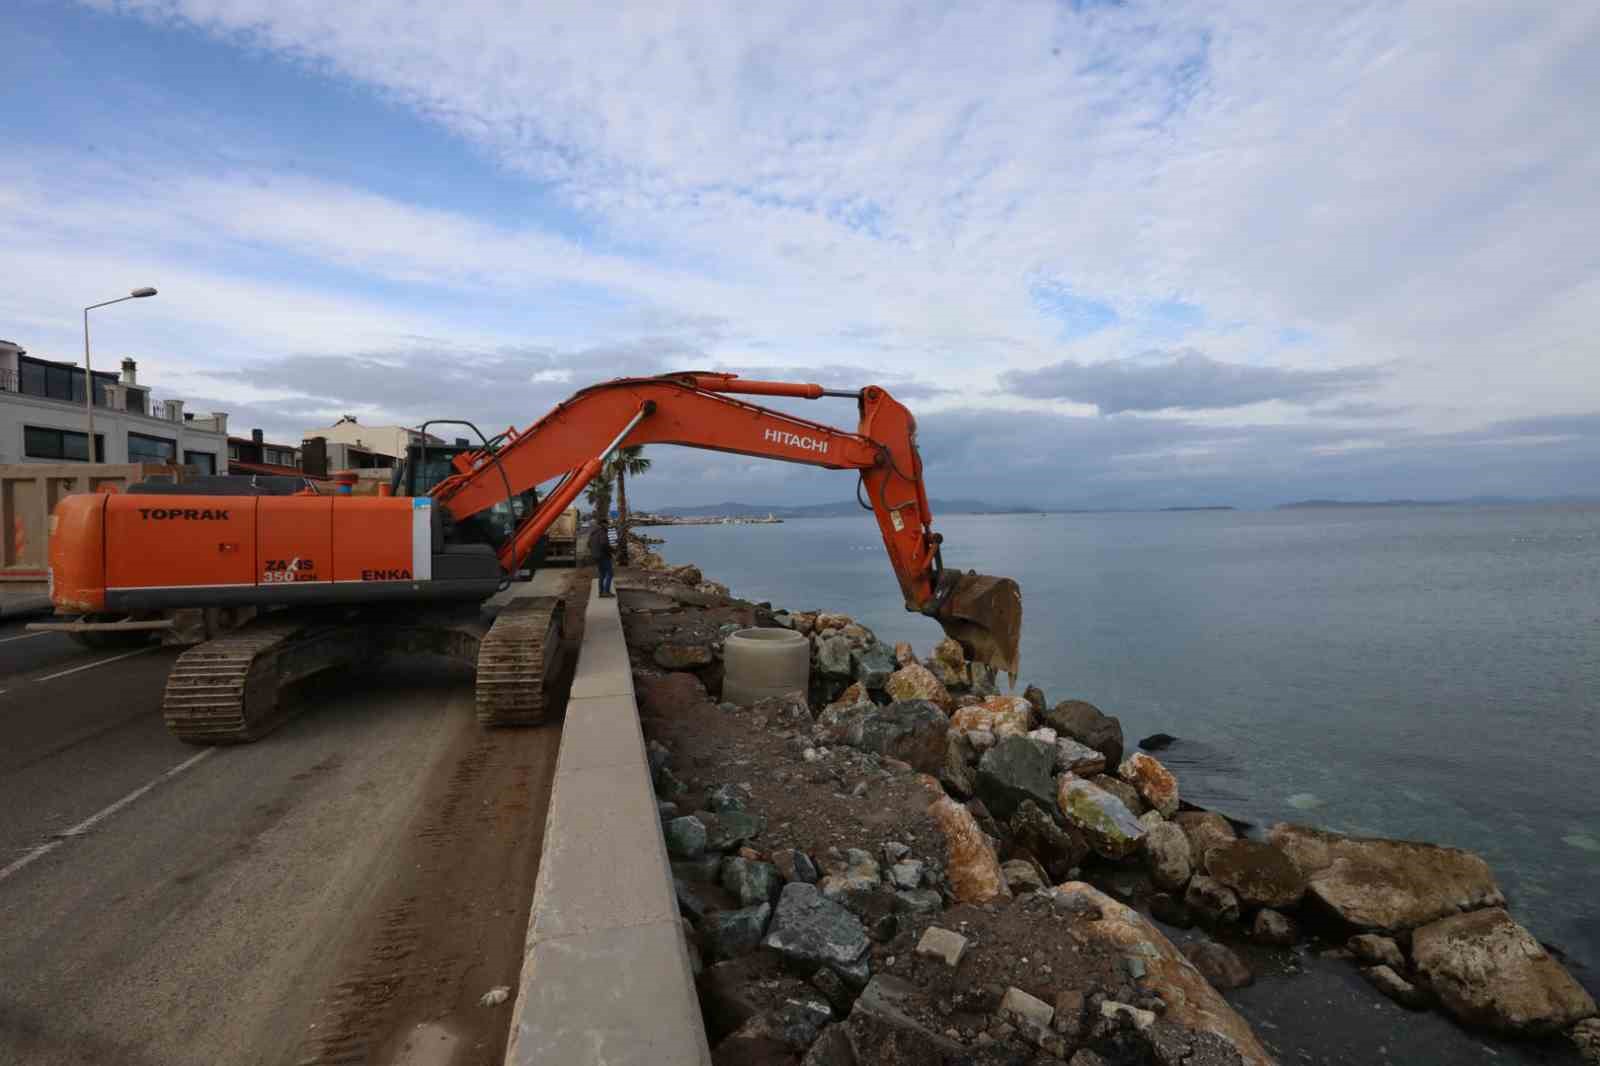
(424, 468)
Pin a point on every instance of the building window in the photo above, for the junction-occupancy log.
(143, 449)
(204, 462)
(233, 451)
(136, 401)
(41, 443)
(55, 382)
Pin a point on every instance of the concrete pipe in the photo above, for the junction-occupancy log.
(758, 663)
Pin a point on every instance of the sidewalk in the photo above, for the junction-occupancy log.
(23, 598)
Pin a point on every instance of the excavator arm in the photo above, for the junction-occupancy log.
(699, 410)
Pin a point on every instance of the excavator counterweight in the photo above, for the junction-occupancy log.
(345, 578)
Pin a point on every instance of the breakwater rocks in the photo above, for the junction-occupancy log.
(905, 865)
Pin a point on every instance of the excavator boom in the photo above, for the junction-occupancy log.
(699, 410)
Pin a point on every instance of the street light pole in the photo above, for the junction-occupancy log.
(88, 371)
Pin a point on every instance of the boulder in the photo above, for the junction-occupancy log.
(906, 874)
(836, 718)
(953, 679)
(912, 731)
(1166, 853)
(795, 865)
(831, 1049)
(971, 865)
(1169, 908)
(833, 657)
(725, 934)
(1489, 971)
(685, 837)
(725, 798)
(1259, 874)
(942, 944)
(682, 656)
(812, 931)
(1154, 782)
(957, 774)
(1386, 980)
(918, 901)
(1085, 723)
(884, 1031)
(1219, 964)
(1193, 1006)
(857, 634)
(1035, 695)
(949, 652)
(1205, 830)
(1386, 885)
(1122, 790)
(1014, 770)
(1021, 876)
(728, 830)
(1075, 758)
(903, 655)
(1273, 928)
(805, 622)
(998, 716)
(873, 666)
(1059, 850)
(691, 904)
(1211, 901)
(1375, 950)
(1102, 818)
(833, 620)
(751, 883)
(914, 682)
(703, 870)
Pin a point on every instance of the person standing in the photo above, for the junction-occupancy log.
(600, 552)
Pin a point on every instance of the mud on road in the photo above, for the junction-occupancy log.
(448, 924)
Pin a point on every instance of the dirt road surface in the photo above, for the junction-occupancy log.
(342, 891)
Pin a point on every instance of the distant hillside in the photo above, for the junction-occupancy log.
(1476, 500)
(734, 509)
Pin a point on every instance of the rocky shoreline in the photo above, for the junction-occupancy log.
(904, 865)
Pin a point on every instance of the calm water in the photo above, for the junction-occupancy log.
(1431, 673)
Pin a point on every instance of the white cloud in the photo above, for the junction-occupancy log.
(887, 186)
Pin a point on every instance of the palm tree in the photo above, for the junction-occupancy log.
(629, 460)
(599, 494)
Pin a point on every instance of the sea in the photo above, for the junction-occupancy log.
(1429, 673)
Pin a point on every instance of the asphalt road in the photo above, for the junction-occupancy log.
(161, 903)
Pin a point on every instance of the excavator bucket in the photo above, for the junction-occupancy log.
(984, 615)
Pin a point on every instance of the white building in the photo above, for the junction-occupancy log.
(390, 441)
(42, 417)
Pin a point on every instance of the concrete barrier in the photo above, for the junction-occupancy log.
(606, 976)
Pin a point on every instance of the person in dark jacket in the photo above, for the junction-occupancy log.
(600, 552)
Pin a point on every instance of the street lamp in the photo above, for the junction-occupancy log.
(88, 371)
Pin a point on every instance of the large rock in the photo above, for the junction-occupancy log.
(1205, 830)
(1155, 783)
(1489, 971)
(1219, 963)
(957, 774)
(682, 656)
(1386, 885)
(1166, 853)
(728, 933)
(1075, 758)
(884, 1031)
(1192, 1004)
(1085, 723)
(836, 718)
(914, 682)
(1259, 874)
(912, 731)
(1110, 827)
(833, 657)
(728, 830)
(1014, 770)
(971, 866)
(1122, 790)
(1211, 901)
(873, 666)
(997, 716)
(752, 882)
(1057, 849)
(812, 931)
(903, 655)
(685, 837)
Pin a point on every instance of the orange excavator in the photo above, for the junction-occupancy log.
(345, 578)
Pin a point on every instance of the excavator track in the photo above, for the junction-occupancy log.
(228, 690)
(519, 660)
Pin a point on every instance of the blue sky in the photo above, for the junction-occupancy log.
(1177, 252)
